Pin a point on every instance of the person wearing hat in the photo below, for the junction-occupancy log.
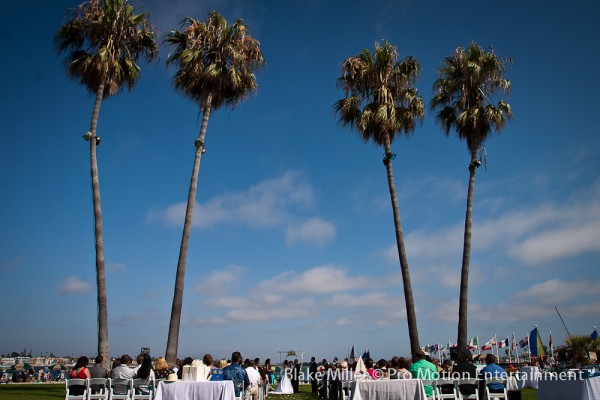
(423, 369)
(464, 369)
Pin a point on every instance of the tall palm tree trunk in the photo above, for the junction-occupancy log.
(100, 270)
(411, 316)
(173, 340)
(466, 259)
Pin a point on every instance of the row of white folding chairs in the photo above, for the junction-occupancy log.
(454, 384)
(110, 389)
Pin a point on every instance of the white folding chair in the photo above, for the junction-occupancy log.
(447, 384)
(239, 385)
(345, 390)
(120, 389)
(142, 389)
(98, 389)
(429, 382)
(461, 382)
(76, 389)
(496, 396)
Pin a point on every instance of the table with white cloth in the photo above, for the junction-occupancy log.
(396, 389)
(574, 389)
(191, 390)
(528, 377)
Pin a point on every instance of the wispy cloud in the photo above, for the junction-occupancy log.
(115, 267)
(312, 231)
(12, 264)
(266, 204)
(221, 281)
(322, 279)
(74, 284)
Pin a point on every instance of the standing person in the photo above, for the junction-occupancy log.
(254, 378)
(423, 369)
(296, 376)
(312, 371)
(236, 373)
(285, 385)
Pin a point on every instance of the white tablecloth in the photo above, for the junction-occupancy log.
(576, 389)
(529, 377)
(185, 390)
(391, 389)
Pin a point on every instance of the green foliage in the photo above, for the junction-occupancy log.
(468, 94)
(102, 40)
(214, 60)
(41, 391)
(381, 100)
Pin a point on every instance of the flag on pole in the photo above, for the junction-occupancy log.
(503, 343)
(514, 343)
(594, 334)
(434, 348)
(488, 345)
(536, 347)
(473, 343)
(352, 353)
(524, 342)
(550, 346)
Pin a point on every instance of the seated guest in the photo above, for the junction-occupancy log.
(161, 368)
(423, 369)
(465, 369)
(216, 374)
(145, 370)
(493, 370)
(122, 371)
(236, 373)
(98, 371)
(79, 371)
(186, 361)
(403, 366)
(370, 368)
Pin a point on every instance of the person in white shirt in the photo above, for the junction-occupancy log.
(254, 378)
(122, 371)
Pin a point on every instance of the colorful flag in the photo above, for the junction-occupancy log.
(524, 342)
(536, 347)
(473, 343)
(594, 334)
(503, 343)
(514, 343)
(488, 345)
(434, 348)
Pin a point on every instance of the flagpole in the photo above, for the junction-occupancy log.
(496, 342)
(529, 345)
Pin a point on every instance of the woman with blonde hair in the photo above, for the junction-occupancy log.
(161, 368)
(216, 374)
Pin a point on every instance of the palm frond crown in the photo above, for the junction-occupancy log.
(468, 94)
(214, 59)
(102, 40)
(380, 97)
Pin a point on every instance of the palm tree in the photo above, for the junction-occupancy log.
(101, 41)
(380, 103)
(216, 65)
(467, 99)
(579, 347)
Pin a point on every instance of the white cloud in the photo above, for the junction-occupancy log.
(115, 267)
(220, 281)
(266, 204)
(74, 284)
(323, 279)
(313, 231)
(560, 291)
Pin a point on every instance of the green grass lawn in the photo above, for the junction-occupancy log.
(21, 391)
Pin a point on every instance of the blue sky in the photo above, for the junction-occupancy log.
(293, 239)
